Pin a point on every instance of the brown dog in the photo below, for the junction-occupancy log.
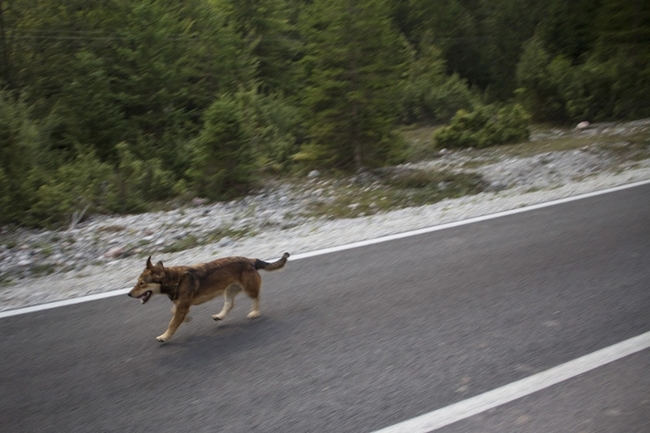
(193, 285)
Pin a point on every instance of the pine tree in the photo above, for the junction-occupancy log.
(353, 64)
(265, 28)
(505, 26)
(123, 70)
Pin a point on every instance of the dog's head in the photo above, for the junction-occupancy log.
(149, 282)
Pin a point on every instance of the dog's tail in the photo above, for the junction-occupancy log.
(261, 264)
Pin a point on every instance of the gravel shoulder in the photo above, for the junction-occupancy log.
(107, 253)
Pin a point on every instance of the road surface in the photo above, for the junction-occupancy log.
(362, 339)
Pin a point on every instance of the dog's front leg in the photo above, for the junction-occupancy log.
(179, 315)
(188, 319)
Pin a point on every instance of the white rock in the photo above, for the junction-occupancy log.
(114, 253)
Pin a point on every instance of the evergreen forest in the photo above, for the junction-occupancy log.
(108, 106)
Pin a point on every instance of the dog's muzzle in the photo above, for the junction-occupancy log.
(144, 297)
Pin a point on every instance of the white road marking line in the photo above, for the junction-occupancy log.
(445, 226)
(79, 300)
(456, 412)
(62, 303)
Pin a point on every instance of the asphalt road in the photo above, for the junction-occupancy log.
(361, 339)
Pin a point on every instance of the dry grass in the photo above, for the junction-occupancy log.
(419, 187)
(632, 145)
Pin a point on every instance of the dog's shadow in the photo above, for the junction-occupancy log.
(222, 341)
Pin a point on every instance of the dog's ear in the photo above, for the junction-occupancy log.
(160, 266)
(149, 265)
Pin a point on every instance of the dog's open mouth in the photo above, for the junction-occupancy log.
(144, 297)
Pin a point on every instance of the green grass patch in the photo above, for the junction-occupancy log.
(44, 269)
(549, 138)
(192, 241)
(408, 189)
(111, 229)
(419, 143)
(183, 244)
(6, 280)
(220, 233)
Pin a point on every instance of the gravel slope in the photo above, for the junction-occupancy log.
(105, 253)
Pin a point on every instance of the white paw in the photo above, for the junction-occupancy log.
(162, 338)
(253, 314)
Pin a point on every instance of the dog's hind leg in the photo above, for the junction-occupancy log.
(252, 288)
(229, 301)
(255, 311)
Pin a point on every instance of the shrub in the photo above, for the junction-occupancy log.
(137, 182)
(19, 147)
(72, 189)
(5, 193)
(450, 96)
(272, 125)
(222, 163)
(606, 84)
(311, 155)
(484, 127)
(606, 88)
(429, 94)
(88, 185)
(541, 81)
